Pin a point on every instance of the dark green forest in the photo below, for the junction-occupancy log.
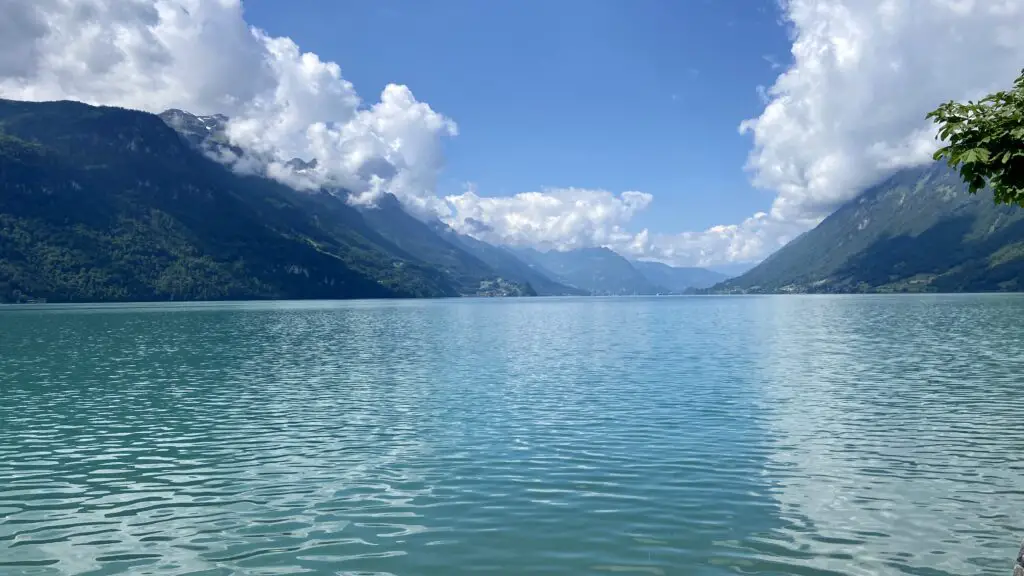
(107, 204)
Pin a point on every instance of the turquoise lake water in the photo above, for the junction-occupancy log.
(697, 435)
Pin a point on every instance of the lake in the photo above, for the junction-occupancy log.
(810, 435)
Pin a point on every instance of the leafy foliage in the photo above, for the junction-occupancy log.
(986, 142)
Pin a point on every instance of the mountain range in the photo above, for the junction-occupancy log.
(917, 231)
(604, 272)
(108, 204)
(678, 279)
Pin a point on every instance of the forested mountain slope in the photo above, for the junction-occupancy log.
(107, 204)
(918, 231)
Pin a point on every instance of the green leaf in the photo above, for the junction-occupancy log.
(975, 155)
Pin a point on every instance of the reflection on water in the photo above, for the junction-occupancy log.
(817, 435)
(899, 435)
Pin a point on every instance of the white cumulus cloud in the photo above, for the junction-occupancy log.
(201, 56)
(852, 107)
(846, 111)
(850, 110)
(562, 218)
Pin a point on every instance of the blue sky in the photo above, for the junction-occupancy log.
(618, 95)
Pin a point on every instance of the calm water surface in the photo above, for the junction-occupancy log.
(731, 435)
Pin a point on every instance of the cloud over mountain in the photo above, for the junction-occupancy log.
(847, 110)
(201, 56)
(851, 107)
(562, 218)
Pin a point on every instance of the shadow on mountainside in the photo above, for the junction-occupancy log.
(944, 252)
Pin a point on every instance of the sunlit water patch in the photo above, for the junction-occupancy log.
(791, 435)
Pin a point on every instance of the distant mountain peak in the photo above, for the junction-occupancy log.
(300, 165)
(677, 278)
(596, 270)
(201, 125)
(207, 134)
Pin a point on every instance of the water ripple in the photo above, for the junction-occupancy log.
(817, 435)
